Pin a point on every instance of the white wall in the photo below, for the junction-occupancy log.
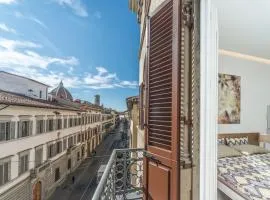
(21, 85)
(255, 94)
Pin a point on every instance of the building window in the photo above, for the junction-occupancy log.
(5, 166)
(40, 94)
(40, 126)
(79, 138)
(64, 144)
(69, 163)
(24, 128)
(7, 130)
(59, 147)
(70, 141)
(23, 163)
(79, 121)
(82, 137)
(50, 150)
(65, 123)
(59, 124)
(74, 139)
(83, 120)
(78, 156)
(50, 125)
(57, 174)
(38, 156)
(70, 122)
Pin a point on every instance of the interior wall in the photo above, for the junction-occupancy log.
(255, 94)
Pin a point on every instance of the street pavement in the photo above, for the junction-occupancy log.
(85, 175)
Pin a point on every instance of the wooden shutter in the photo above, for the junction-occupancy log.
(141, 113)
(162, 160)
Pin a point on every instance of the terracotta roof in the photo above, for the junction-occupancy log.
(10, 98)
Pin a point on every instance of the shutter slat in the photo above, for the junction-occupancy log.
(158, 144)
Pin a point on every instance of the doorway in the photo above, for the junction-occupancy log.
(37, 191)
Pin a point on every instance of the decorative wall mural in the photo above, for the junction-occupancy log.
(229, 99)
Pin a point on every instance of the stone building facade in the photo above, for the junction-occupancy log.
(42, 141)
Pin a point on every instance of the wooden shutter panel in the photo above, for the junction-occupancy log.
(160, 79)
(162, 140)
(141, 113)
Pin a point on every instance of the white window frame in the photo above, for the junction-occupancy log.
(5, 132)
(39, 148)
(38, 129)
(25, 163)
(6, 172)
(208, 100)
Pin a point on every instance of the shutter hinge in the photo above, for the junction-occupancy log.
(187, 12)
(151, 158)
(186, 121)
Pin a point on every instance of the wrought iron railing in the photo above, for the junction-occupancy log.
(123, 176)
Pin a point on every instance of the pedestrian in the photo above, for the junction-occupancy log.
(73, 179)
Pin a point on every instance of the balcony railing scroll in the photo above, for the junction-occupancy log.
(123, 176)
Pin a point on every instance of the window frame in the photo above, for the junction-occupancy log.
(37, 149)
(25, 156)
(6, 177)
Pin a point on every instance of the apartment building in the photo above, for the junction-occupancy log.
(42, 141)
(27, 86)
(136, 138)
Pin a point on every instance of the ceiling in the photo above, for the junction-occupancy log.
(244, 26)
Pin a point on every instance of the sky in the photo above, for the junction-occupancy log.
(92, 45)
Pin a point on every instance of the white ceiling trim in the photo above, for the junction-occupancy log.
(244, 56)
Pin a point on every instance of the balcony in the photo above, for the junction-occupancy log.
(123, 176)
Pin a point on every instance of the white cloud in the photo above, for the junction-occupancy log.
(15, 53)
(5, 28)
(7, 1)
(20, 57)
(14, 44)
(76, 5)
(104, 79)
(31, 18)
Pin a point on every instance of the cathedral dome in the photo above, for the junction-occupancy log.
(61, 92)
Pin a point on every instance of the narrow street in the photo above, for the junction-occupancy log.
(85, 175)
